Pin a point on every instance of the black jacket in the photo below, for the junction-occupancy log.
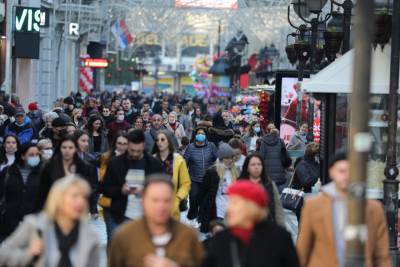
(271, 150)
(54, 170)
(114, 179)
(306, 175)
(19, 198)
(270, 245)
(207, 195)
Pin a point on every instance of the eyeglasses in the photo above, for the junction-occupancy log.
(161, 140)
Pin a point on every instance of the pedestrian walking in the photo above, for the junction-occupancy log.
(213, 198)
(250, 239)
(276, 158)
(21, 127)
(124, 179)
(175, 127)
(8, 150)
(174, 165)
(19, 185)
(98, 140)
(67, 162)
(299, 139)
(323, 223)
(58, 236)
(220, 131)
(155, 240)
(199, 155)
(120, 124)
(255, 171)
(46, 149)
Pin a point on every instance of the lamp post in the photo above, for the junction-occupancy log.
(390, 184)
(360, 138)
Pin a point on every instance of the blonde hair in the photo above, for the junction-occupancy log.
(56, 195)
(271, 128)
(43, 143)
(221, 171)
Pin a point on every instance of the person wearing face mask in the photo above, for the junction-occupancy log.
(299, 139)
(175, 127)
(120, 124)
(21, 127)
(8, 150)
(199, 155)
(253, 134)
(212, 197)
(46, 149)
(19, 185)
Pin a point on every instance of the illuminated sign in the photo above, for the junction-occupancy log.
(73, 29)
(95, 63)
(200, 40)
(27, 19)
(207, 3)
(45, 18)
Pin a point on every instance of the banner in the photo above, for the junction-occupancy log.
(121, 33)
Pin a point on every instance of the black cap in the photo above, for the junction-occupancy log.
(68, 100)
(58, 122)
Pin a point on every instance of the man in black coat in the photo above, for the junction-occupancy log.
(124, 175)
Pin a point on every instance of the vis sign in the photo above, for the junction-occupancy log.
(27, 19)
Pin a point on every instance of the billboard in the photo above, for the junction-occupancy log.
(232, 4)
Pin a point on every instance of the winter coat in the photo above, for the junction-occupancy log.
(54, 170)
(306, 174)
(181, 181)
(270, 245)
(114, 179)
(103, 146)
(115, 127)
(132, 241)
(296, 138)
(36, 119)
(14, 250)
(218, 134)
(271, 150)
(316, 244)
(179, 132)
(25, 133)
(199, 159)
(150, 138)
(19, 198)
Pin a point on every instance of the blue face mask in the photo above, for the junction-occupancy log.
(257, 129)
(200, 138)
(33, 161)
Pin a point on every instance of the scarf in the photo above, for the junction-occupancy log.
(242, 234)
(65, 243)
(173, 125)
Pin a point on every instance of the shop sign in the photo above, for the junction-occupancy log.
(73, 29)
(98, 63)
(27, 19)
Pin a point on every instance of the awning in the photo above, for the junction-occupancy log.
(338, 76)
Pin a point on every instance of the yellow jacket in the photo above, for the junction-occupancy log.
(181, 181)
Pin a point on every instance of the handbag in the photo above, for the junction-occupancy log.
(292, 199)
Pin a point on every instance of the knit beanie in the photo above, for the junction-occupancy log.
(249, 191)
(33, 106)
(225, 151)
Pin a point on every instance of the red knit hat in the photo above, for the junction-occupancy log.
(33, 106)
(249, 191)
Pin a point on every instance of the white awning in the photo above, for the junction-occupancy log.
(338, 76)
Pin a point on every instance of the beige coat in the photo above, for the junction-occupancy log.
(179, 132)
(316, 244)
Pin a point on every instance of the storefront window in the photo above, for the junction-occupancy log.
(378, 125)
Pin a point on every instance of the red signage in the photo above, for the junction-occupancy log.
(100, 63)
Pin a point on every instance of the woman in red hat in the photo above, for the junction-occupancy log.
(250, 239)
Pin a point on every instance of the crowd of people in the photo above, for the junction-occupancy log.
(159, 171)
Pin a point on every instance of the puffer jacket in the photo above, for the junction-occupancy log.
(25, 133)
(271, 151)
(199, 159)
(307, 174)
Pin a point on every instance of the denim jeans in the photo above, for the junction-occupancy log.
(111, 223)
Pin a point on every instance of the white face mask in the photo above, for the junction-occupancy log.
(47, 154)
(120, 117)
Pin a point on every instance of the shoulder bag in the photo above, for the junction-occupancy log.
(292, 199)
